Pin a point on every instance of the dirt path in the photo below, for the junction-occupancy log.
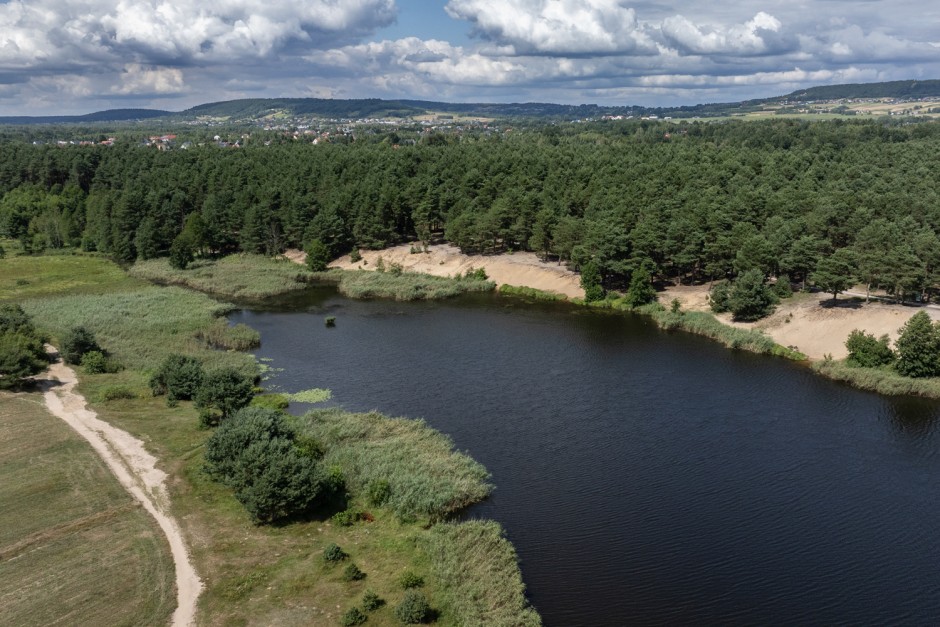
(134, 467)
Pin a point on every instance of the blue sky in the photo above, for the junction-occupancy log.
(77, 56)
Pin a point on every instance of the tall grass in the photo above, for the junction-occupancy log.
(141, 327)
(530, 293)
(428, 478)
(478, 575)
(407, 285)
(242, 276)
(39, 276)
(881, 380)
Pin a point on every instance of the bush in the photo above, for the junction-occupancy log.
(641, 290)
(221, 394)
(867, 352)
(253, 453)
(476, 274)
(330, 321)
(181, 252)
(280, 402)
(77, 342)
(409, 580)
(117, 392)
(333, 553)
(318, 255)
(783, 288)
(371, 601)
(750, 298)
(353, 573)
(94, 362)
(353, 616)
(355, 256)
(591, 282)
(378, 491)
(413, 609)
(220, 335)
(719, 295)
(179, 377)
(21, 356)
(346, 518)
(919, 347)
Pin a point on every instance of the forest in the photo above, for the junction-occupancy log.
(826, 202)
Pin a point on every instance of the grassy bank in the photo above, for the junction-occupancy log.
(36, 277)
(277, 574)
(426, 477)
(406, 285)
(242, 277)
(531, 293)
(75, 548)
(883, 381)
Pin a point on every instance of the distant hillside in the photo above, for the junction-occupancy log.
(893, 89)
(248, 110)
(111, 115)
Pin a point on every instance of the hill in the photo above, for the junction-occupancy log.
(110, 115)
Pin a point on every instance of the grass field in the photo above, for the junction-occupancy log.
(268, 575)
(243, 277)
(35, 277)
(75, 548)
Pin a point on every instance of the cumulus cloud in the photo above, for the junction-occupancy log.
(759, 35)
(138, 80)
(51, 33)
(557, 27)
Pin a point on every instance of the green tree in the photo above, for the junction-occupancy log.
(836, 272)
(77, 342)
(866, 351)
(719, 295)
(591, 282)
(750, 297)
(181, 252)
(641, 290)
(222, 393)
(413, 609)
(179, 377)
(318, 255)
(919, 347)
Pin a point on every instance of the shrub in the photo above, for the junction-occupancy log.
(371, 601)
(345, 518)
(21, 355)
(222, 393)
(867, 352)
(353, 573)
(783, 288)
(750, 298)
(378, 491)
(333, 553)
(318, 255)
(591, 282)
(179, 377)
(641, 290)
(409, 580)
(476, 274)
(718, 296)
(94, 362)
(353, 616)
(355, 256)
(220, 335)
(919, 347)
(181, 252)
(77, 342)
(279, 402)
(330, 321)
(117, 392)
(253, 453)
(413, 609)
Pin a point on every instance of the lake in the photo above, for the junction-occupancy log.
(647, 477)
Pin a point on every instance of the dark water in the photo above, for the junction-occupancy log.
(648, 478)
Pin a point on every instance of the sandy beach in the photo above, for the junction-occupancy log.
(814, 324)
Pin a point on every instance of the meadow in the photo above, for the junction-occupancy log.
(75, 548)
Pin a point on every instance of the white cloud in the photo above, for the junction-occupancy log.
(557, 27)
(759, 35)
(137, 80)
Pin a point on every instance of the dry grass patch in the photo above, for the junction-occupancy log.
(74, 546)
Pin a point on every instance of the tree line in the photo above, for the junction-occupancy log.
(687, 202)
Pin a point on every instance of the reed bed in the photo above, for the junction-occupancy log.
(407, 285)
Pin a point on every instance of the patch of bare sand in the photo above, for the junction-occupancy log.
(812, 323)
(134, 467)
(522, 269)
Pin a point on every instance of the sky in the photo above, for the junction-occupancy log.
(79, 56)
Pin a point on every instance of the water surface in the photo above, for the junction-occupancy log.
(645, 477)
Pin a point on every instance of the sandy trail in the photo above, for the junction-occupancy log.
(134, 467)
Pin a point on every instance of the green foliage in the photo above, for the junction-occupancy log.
(313, 395)
(880, 380)
(719, 296)
(641, 290)
(278, 402)
(333, 553)
(330, 321)
(351, 617)
(378, 492)
(21, 355)
(355, 256)
(346, 518)
(426, 476)
(220, 335)
(353, 573)
(476, 574)
(867, 352)
(836, 272)
(318, 255)
(476, 274)
(179, 377)
(253, 453)
(782, 287)
(94, 362)
(371, 601)
(409, 580)
(591, 282)
(181, 253)
(407, 286)
(117, 392)
(530, 293)
(78, 341)
(919, 347)
(222, 393)
(750, 297)
(413, 609)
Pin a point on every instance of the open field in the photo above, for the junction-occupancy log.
(34, 277)
(75, 548)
